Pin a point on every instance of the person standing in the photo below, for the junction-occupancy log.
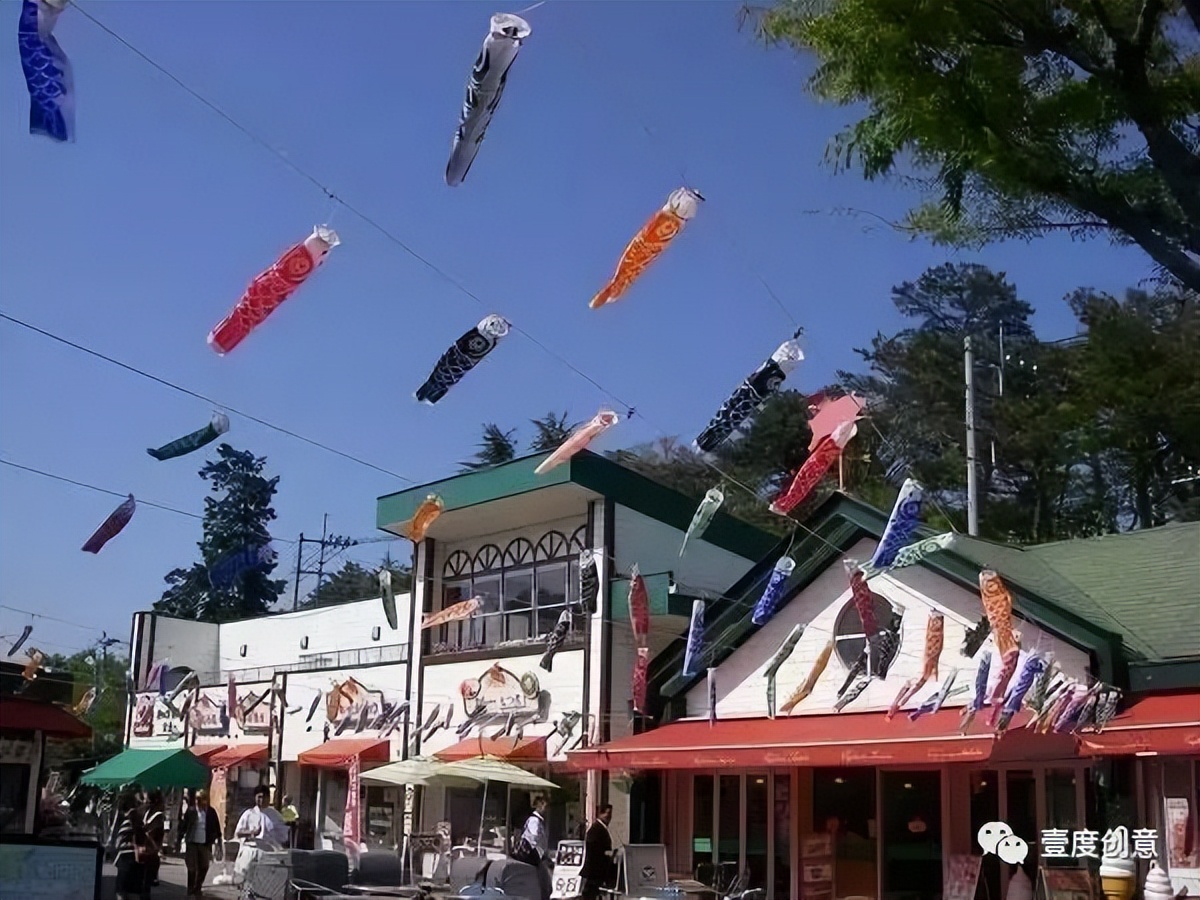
(533, 846)
(131, 873)
(599, 869)
(201, 829)
(290, 816)
(262, 822)
(154, 822)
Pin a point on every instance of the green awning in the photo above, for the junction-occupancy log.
(150, 769)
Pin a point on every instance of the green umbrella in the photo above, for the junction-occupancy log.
(150, 769)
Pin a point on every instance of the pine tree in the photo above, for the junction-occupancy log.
(496, 448)
(235, 521)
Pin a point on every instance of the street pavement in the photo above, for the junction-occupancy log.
(172, 877)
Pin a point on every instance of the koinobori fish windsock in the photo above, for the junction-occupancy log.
(229, 568)
(813, 469)
(194, 441)
(935, 636)
(270, 288)
(1034, 666)
(639, 608)
(578, 440)
(641, 682)
(901, 525)
(980, 696)
(712, 697)
(713, 498)
(589, 581)
(768, 603)
(484, 90)
(649, 243)
(766, 381)
(805, 688)
(111, 526)
(456, 612)
(694, 649)
(997, 605)
(914, 553)
(423, 516)
(388, 598)
(557, 637)
(48, 73)
(776, 662)
(464, 354)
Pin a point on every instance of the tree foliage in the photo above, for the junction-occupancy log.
(1020, 117)
(550, 431)
(235, 520)
(496, 448)
(87, 668)
(355, 582)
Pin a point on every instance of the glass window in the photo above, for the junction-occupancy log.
(985, 808)
(452, 634)
(844, 805)
(729, 828)
(14, 797)
(551, 595)
(783, 834)
(518, 604)
(487, 625)
(702, 827)
(1020, 788)
(912, 834)
(758, 814)
(1061, 809)
(849, 636)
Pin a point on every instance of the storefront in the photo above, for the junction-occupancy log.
(24, 727)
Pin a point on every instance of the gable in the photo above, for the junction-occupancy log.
(741, 678)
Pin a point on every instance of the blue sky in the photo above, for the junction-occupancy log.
(139, 237)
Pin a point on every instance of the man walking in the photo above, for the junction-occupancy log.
(599, 869)
(201, 829)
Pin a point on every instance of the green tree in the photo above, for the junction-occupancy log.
(1019, 118)
(355, 582)
(550, 431)
(235, 520)
(88, 669)
(496, 448)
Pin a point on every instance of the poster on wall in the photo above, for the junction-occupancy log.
(154, 719)
(962, 876)
(816, 867)
(1182, 852)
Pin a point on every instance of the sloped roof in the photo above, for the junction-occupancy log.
(1147, 582)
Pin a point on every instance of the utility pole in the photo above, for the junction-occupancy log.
(335, 541)
(104, 643)
(972, 474)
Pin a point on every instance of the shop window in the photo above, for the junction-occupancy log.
(729, 820)
(985, 808)
(848, 634)
(1181, 796)
(783, 834)
(14, 797)
(523, 588)
(1020, 813)
(844, 806)
(758, 815)
(702, 828)
(1061, 809)
(911, 834)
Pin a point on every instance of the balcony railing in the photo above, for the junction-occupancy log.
(388, 654)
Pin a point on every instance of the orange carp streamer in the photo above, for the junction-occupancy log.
(649, 243)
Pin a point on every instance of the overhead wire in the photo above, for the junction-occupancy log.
(93, 487)
(195, 394)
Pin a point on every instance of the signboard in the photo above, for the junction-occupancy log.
(816, 867)
(153, 718)
(1067, 884)
(643, 867)
(15, 750)
(962, 876)
(33, 869)
(498, 696)
(568, 864)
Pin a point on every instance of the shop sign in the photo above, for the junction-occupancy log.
(154, 718)
(568, 868)
(500, 697)
(14, 750)
(1119, 842)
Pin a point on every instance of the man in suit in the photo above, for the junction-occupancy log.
(599, 869)
(201, 829)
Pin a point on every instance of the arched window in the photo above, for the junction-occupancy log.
(848, 634)
(522, 589)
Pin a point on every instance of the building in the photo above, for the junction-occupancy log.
(513, 539)
(891, 808)
(287, 700)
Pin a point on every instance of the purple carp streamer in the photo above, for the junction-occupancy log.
(21, 639)
(189, 443)
(902, 524)
(713, 498)
(768, 603)
(48, 73)
(485, 87)
(1034, 666)
(464, 355)
(765, 381)
(111, 526)
(934, 703)
(695, 639)
(980, 697)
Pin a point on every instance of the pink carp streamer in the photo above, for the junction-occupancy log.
(813, 469)
(935, 636)
(641, 672)
(639, 607)
(270, 288)
(579, 439)
(111, 526)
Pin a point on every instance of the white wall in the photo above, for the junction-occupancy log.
(182, 641)
(564, 687)
(381, 684)
(275, 640)
(654, 547)
(741, 679)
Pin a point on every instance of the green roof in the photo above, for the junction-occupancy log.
(150, 769)
(586, 470)
(1145, 582)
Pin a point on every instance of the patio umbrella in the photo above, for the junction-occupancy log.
(418, 770)
(486, 769)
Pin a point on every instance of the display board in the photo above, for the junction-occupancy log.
(568, 865)
(1066, 884)
(816, 867)
(643, 868)
(962, 876)
(33, 869)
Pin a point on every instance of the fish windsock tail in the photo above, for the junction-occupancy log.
(606, 295)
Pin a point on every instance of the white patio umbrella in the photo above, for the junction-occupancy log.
(487, 769)
(418, 770)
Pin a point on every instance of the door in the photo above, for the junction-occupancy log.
(911, 834)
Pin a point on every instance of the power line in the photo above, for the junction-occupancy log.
(175, 387)
(37, 615)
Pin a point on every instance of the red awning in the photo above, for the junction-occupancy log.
(336, 754)
(510, 749)
(19, 714)
(238, 755)
(205, 752)
(836, 740)
(1160, 725)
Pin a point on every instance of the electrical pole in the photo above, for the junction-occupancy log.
(336, 541)
(972, 474)
(105, 642)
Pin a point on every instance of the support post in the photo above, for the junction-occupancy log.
(972, 464)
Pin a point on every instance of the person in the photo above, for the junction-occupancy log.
(290, 816)
(533, 845)
(599, 869)
(129, 837)
(154, 822)
(201, 829)
(261, 821)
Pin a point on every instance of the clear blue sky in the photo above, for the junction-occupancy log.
(139, 237)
